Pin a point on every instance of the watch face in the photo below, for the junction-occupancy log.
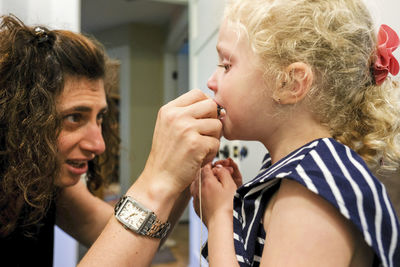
(133, 215)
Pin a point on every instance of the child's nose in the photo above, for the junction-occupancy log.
(212, 83)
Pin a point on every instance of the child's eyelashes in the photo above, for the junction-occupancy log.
(227, 67)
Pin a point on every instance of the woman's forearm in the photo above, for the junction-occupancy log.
(117, 246)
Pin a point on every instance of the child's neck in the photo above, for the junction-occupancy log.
(293, 134)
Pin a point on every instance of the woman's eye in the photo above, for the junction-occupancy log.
(100, 117)
(73, 118)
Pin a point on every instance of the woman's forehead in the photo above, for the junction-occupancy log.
(80, 90)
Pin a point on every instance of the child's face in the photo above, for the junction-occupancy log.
(239, 87)
(82, 105)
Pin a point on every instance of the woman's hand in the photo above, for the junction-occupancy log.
(186, 137)
(218, 188)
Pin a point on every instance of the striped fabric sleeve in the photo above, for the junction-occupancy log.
(340, 176)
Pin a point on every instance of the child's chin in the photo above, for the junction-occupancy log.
(228, 135)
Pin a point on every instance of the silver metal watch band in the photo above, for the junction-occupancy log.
(152, 226)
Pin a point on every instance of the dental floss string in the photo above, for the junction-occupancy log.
(201, 217)
(219, 109)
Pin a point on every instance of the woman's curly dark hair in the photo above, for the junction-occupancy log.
(34, 63)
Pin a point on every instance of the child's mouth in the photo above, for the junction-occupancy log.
(220, 112)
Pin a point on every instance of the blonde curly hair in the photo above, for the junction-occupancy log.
(337, 38)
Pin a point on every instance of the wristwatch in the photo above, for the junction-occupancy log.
(139, 219)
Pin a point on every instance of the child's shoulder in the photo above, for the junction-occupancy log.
(339, 175)
(327, 168)
(321, 158)
(334, 172)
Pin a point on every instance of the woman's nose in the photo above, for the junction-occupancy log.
(94, 141)
(212, 83)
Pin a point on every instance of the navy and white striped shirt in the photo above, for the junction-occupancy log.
(337, 174)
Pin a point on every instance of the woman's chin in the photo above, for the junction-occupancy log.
(66, 180)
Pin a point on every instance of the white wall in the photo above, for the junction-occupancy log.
(63, 14)
(387, 12)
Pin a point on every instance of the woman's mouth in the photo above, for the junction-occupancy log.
(78, 167)
(76, 163)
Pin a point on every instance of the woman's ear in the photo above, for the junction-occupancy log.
(300, 81)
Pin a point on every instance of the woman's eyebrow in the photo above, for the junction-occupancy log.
(83, 109)
(78, 108)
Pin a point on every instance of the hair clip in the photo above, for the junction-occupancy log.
(385, 62)
(41, 35)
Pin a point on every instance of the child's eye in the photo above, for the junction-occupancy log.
(225, 66)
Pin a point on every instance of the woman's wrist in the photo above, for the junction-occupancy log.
(154, 195)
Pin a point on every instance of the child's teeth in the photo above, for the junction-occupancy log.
(220, 110)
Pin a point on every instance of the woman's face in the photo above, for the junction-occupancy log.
(240, 88)
(82, 105)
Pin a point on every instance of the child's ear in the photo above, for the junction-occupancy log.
(299, 84)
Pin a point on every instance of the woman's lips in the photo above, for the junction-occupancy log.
(77, 167)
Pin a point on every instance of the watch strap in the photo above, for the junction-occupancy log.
(153, 227)
(158, 229)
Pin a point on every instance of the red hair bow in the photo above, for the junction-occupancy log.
(388, 41)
